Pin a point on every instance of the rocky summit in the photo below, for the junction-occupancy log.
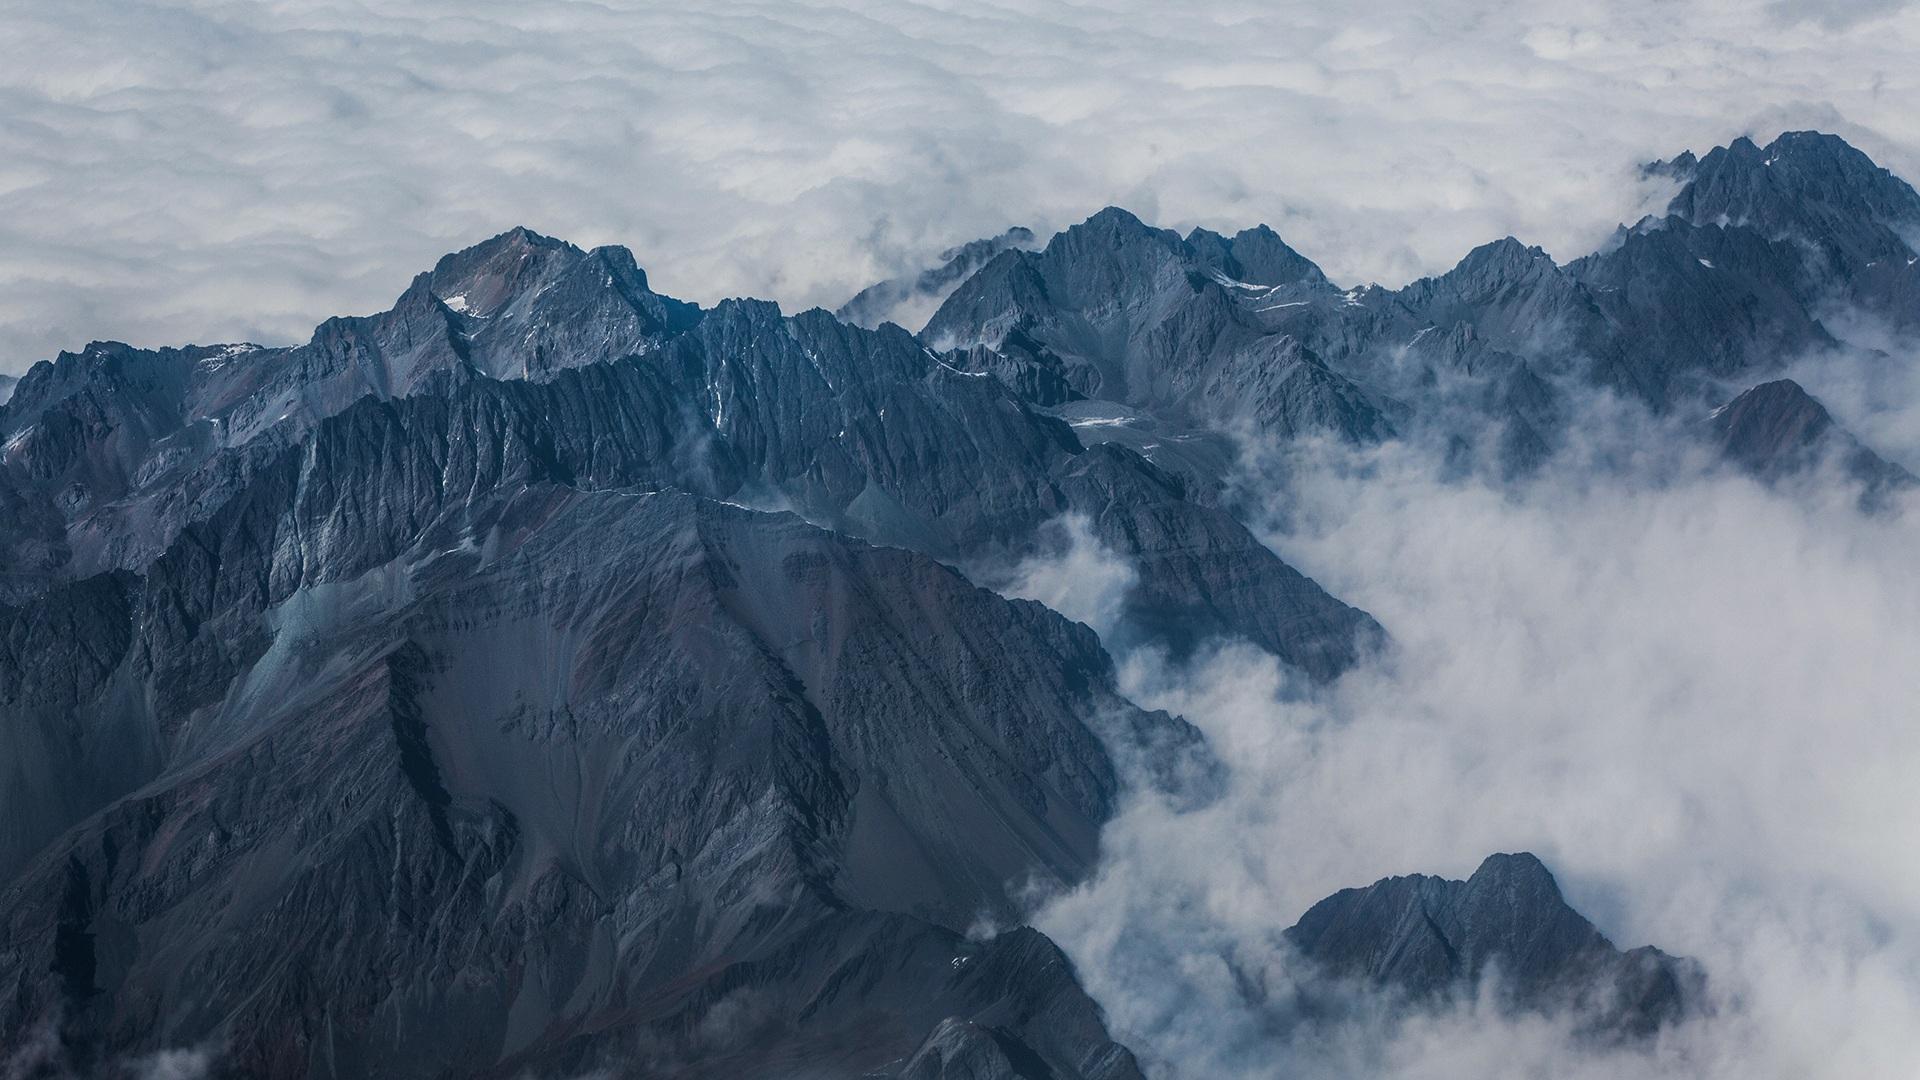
(546, 675)
(1426, 938)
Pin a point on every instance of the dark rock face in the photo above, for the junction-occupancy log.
(1777, 429)
(1116, 310)
(571, 779)
(529, 305)
(434, 705)
(1700, 302)
(1256, 256)
(411, 702)
(1814, 188)
(125, 446)
(1757, 246)
(862, 431)
(1426, 938)
(898, 299)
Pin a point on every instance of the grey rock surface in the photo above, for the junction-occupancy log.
(1777, 429)
(559, 779)
(419, 680)
(909, 300)
(1114, 309)
(1427, 938)
(112, 452)
(1756, 250)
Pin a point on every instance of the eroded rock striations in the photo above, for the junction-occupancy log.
(1427, 940)
(1754, 253)
(1777, 430)
(509, 683)
(560, 780)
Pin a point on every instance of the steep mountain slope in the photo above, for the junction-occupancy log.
(412, 701)
(116, 442)
(569, 778)
(1116, 310)
(1426, 938)
(520, 305)
(863, 431)
(1754, 251)
(908, 300)
(1858, 219)
(1777, 429)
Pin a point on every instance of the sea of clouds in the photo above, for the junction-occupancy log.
(1692, 695)
(218, 170)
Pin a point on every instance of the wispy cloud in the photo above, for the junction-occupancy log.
(1074, 574)
(176, 170)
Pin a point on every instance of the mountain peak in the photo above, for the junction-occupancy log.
(1521, 872)
(1506, 249)
(1256, 256)
(913, 299)
(521, 236)
(988, 246)
(1429, 936)
(1780, 396)
(1111, 216)
(1112, 226)
(1498, 263)
(479, 279)
(1806, 184)
(515, 242)
(1776, 429)
(1810, 143)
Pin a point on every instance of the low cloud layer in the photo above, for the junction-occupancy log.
(1872, 386)
(1073, 574)
(196, 170)
(1691, 695)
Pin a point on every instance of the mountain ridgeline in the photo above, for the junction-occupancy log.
(547, 675)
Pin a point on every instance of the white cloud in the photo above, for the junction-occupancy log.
(1693, 697)
(176, 170)
(1872, 387)
(1075, 575)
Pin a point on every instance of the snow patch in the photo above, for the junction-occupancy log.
(1231, 283)
(931, 355)
(218, 360)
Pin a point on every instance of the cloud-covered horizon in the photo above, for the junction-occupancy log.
(1692, 695)
(210, 170)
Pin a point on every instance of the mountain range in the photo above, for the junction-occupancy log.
(547, 675)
